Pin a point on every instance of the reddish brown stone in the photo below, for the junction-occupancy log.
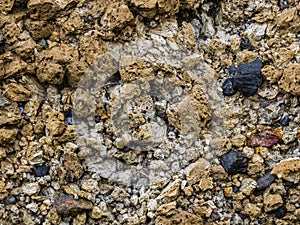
(265, 138)
(68, 205)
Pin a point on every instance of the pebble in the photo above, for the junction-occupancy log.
(41, 171)
(68, 205)
(265, 181)
(11, 200)
(265, 138)
(245, 44)
(234, 162)
(247, 79)
(43, 43)
(280, 212)
(285, 121)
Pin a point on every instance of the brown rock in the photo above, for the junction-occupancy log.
(265, 138)
(252, 210)
(68, 205)
(288, 169)
(55, 123)
(197, 170)
(97, 213)
(167, 209)
(42, 9)
(271, 73)
(116, 16)
(181, 217)
(206, 183)
(136, 70)
(272, 202)
(17, 92)
(7, 136)
(72, 164)
(172, 191)
(6, 5)
(290, 80)
(39, 29)
(13, 67)
(10, 114)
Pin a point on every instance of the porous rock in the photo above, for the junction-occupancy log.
(290, 80)
(288, 169)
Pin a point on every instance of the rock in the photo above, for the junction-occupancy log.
(290, 80)
(252, 210)
(116, 16)
(247, 79)
(181, 217)
(17, 92)
(265, 181)
(228, 87)
(272, 202)
(7, 136)
(234, 162)
(172, 191)
(271, 73)
(52, 73)
(197, 170)
(97, 213)
(288, 169)
(39, 29)
(265, 138)
(67, 205)
(41, 171)
(206, 183)
(167, 209)
(245, 44)
(6, 6)
(10, 114)
(280, 212)
(285, 120)
(31, 188)
(42, 9)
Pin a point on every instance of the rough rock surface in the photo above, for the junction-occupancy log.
(113, 112)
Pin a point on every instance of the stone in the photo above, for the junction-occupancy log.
(17, 92)
(180, 217)
(265, 181)
(247, 79)
(234, 162)
(248, 186)
(52, 73)
(252, 210)
(280, 212)
(197, 170)
(171, 192)
(67, 205)
(206, 183)
(42, 9)
(265, 138)
(7, 136)
(39, 29)
(6, 5)
(97, 213)
(167, 209)
(290, 80)
(272, 202)
(271, 73)
(288, 169)
(10, 114)
(116, 16)
(31, 188)
(42, 170)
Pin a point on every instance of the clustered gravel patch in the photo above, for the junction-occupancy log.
(149, 112)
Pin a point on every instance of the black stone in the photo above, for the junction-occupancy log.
(41, 171)
(283, 4)
(69, 113)
(2, 44)
(280, 212)
(234, 162)
(245, 44)
(285, 121)
(11, 200)
(235, 189)
(232, 70)
(97, 119)
(228, 88)
(265, 181)
(247, 79)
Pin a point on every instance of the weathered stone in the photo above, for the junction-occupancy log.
(252, 210)
(7, 136)
(271, 73)
(39, 29)
(31, 188)
(42, 9)
(97, 213)
(167, 209)
(206, 183)
(290, 80)
(6, 5)
(172, 191)
(17, 92)
(10, 114)
(272, 202)
(197, 170)
(288, 169)
(181, 217)
(68, 205)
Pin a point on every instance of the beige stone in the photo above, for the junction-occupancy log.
(172, 191)
(17, 92)
(97, 213)
(7, 136)
(271, 73)
(206, 183)
(31, 188)
(43, 9)
(272, 202)
(6, 5)
(10, 114)
(181, 217)
(197, 170)
(290, 80)
(252, 210)
(288, 169)
(167, 209)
